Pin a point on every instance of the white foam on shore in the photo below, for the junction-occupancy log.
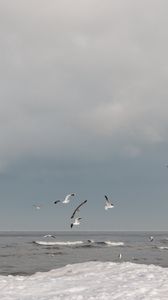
(58, 243)
(88, 281)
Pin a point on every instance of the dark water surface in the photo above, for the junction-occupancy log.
(19, 254)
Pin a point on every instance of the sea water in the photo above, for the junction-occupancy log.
(25, 253)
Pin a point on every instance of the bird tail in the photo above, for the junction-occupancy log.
(71, 225)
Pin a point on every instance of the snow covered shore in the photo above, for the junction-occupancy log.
(88, 281)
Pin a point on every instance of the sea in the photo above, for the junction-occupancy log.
(25, 253)
(77, 265)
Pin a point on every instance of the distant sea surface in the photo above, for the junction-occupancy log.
(25, 253)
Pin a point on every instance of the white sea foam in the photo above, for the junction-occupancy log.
(91, 280)
(67, 243)
(109, 243)
(163, 248)
(71, 243)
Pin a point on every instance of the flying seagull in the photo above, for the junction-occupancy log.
(37, 206)
(76, 222)
(67, 198)
(55, 202)
(108, 203)
(77, 209)
(50, 235)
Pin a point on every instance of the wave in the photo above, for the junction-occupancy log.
(117, 244)
(163, 248)
(82, 244)
(68, 243)
(110, 243)
(88, 243)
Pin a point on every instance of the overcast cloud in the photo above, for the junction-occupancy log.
(73, 72)
(82, 82)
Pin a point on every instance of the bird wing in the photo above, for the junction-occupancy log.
(76, 209)
(107, 200)
(55, 202)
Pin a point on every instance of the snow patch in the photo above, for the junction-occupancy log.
(91, 280)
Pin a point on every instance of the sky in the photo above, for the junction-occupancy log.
(84, 109)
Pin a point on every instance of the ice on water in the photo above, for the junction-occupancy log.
(89, 280)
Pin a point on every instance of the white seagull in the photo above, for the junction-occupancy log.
(108, 203)
(67, 198)
(37, 206)
(119, 256)
(50, 235)
(76, 222)
(151, 238)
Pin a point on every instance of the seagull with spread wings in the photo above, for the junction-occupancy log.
(67, 198)
(49, 235)
(76, 222)
(108, 203)
(37, 206)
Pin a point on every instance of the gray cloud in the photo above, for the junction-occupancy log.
(82, 78)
